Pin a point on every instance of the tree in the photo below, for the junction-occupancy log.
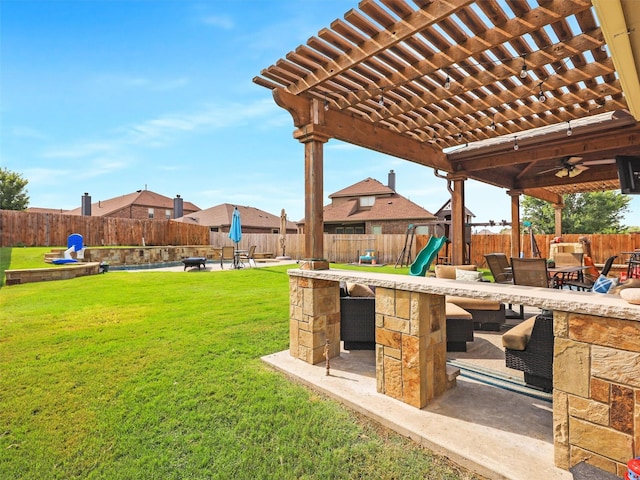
(596, 212)
(13, 195)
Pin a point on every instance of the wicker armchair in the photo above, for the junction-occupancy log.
(536, 359)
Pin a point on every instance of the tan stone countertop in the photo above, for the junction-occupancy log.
(589, 303)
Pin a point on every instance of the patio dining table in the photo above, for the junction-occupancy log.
(237, 254)
(561, 275)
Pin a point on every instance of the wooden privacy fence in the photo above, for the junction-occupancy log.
(53, 229)
(346, 248)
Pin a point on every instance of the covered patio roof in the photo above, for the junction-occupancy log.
(456, 85)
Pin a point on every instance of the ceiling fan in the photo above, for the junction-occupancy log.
(574, 166)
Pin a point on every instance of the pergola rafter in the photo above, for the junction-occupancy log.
(479, 89)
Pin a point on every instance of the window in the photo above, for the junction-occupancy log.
(348, 230)
(359, 230)
(151, 213)
(376, 229)
(213, 229)
(339, 230)
(167, 214)
(422, 230)
(367, 201)
(275, 230)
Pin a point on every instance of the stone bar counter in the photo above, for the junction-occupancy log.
(596, 375)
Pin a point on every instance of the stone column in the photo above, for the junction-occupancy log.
(411, 345)
(314, 317)
(596, 391)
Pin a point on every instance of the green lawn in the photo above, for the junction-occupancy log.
(157, 375)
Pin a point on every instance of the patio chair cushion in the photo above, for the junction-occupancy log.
(604, 284)
(468, 275)
(359, 290)
(473, 303)
(454, 311)
(449, 271)
(518, 337)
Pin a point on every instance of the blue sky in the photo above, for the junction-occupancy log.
(109, 96)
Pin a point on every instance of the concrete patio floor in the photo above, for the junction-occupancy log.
(496, 433)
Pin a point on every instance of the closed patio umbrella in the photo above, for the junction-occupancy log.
(235, 231)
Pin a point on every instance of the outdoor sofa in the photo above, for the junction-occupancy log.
(487, 314)
(358, 321)
(529, 348)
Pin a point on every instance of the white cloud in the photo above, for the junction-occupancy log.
(28, 132)
(79, 150)
(223, 21)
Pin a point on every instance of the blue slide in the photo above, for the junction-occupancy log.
(424, 259)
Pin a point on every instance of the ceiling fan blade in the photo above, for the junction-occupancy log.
(576, 170)
(604, 161)
(550, 170)
(572, 160)
(563, 172)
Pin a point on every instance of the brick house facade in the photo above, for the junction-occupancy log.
(369, 207)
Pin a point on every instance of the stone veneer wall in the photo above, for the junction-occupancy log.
(58, 272)
(314, 317)
(411, 347)
(596, 397)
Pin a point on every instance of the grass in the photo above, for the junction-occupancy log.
(158, 375)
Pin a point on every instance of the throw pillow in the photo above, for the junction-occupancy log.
(359, 290)
(468, 275)
(604, 284)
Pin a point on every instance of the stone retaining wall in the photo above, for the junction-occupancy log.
(59, 272)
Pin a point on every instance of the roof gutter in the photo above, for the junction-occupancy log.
(619, 19)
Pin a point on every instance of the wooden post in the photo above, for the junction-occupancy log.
(557, 208)
(515, 223)
(313, 138)
(457, 231)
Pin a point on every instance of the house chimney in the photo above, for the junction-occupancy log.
(85, 208)
(177, 207)
(392, 180)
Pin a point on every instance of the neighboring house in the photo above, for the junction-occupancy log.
(141, 205)
(369, 207)
(253, 220)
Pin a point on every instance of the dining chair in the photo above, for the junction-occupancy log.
(501, 272)
(531, 272)
(587, 283)
(248, 255)
(227, 254)
(500, 268)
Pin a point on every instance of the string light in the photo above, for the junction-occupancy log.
(569, 129)
(447, 83)
(523, 72)
(515, 143)
(326, 104)
(541, 96)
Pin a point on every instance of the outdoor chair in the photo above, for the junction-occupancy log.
(529, 348)
(226, 255)
(501, 272)
(500, 268)
(587, 284)
(531, 272)
(249, 255)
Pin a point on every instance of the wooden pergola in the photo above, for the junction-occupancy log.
(499, 92)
